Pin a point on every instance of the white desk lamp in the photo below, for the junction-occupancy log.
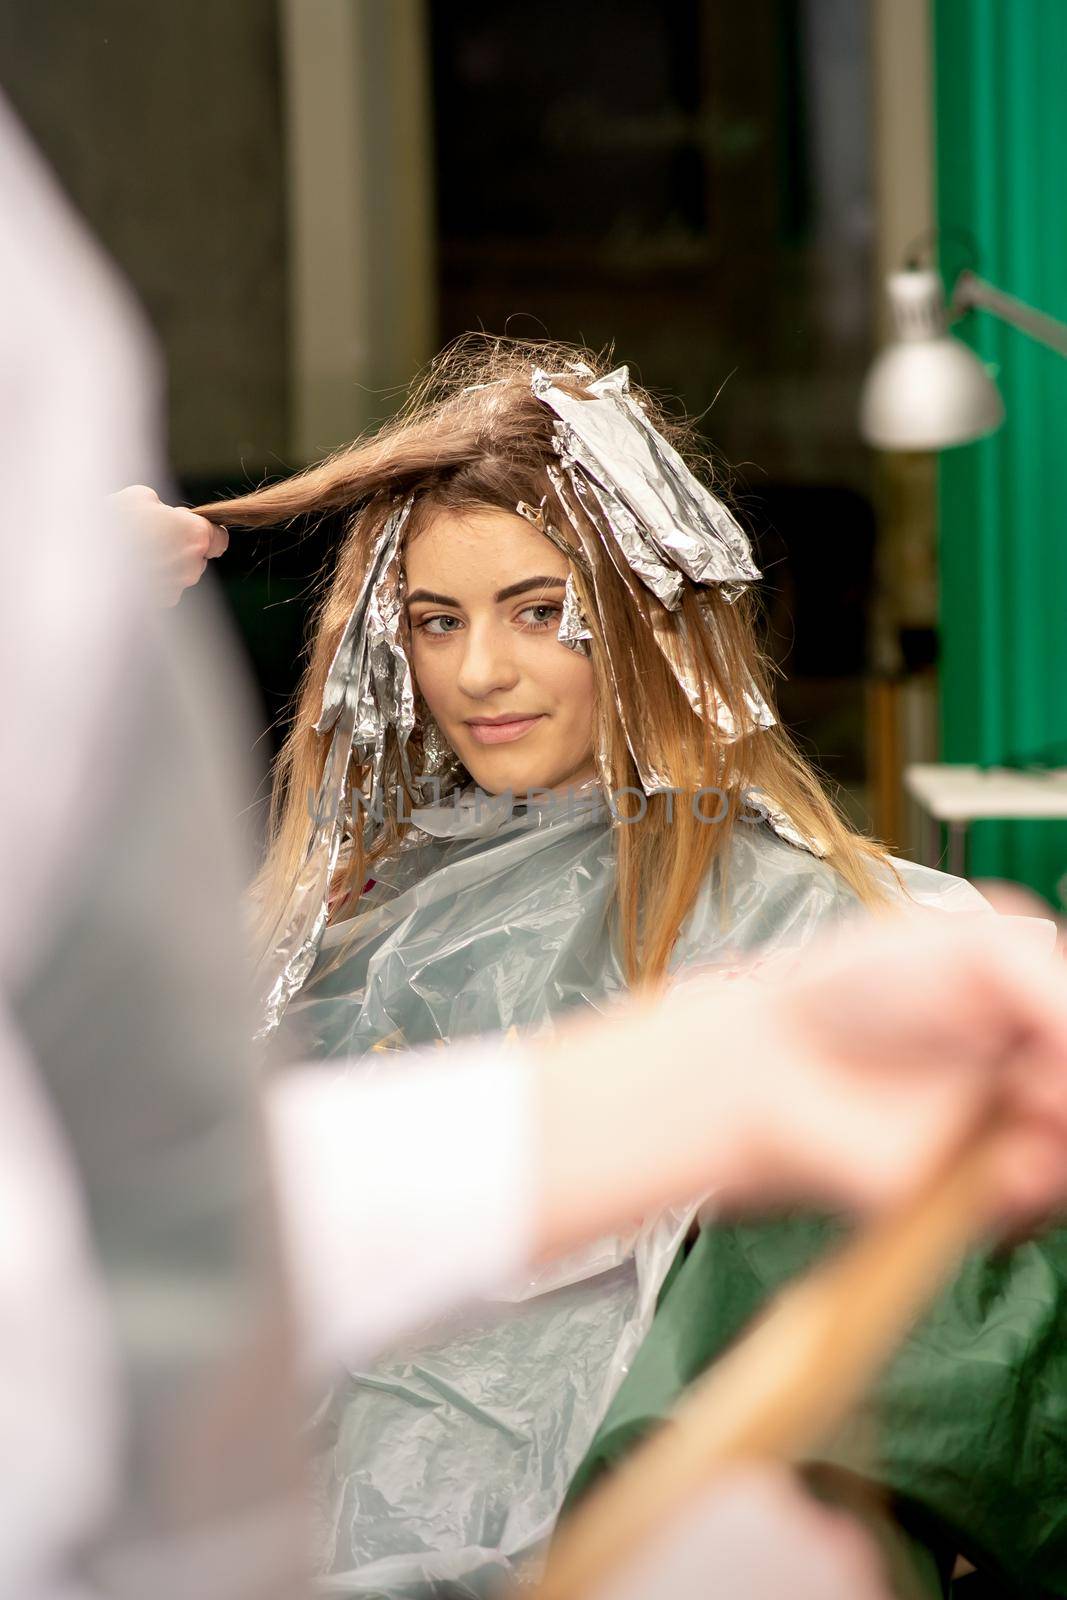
(928, 390)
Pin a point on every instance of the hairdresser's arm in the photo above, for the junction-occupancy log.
(176, 542)
(842, 1083)
(405, 1194)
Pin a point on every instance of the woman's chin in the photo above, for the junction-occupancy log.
(499, 774)
(515, 783)
(520, 781)
(519, 768)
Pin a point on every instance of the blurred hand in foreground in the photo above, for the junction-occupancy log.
(177, 543)
(840, 1078)
(755, 1536)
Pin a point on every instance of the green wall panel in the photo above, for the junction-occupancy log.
(1001, 130)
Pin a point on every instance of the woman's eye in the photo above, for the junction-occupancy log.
(541, 616)
(431, 625)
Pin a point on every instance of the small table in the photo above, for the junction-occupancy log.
(960, 795)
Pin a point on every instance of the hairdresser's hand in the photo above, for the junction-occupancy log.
(841, 1081)
(888, 1045)
(177, 543)
(756, 1536)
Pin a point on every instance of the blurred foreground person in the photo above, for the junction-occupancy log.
(142, 1319)
(146, 1369)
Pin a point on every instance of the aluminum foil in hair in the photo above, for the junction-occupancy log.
(573, 628)
(673, 520)
(658, 525)
(783, 825)
(574, 631)
(439, 760)
(653, 780)
(370, 667)
(369, 690)
(670, 630)
(619, 528)
(538, 516)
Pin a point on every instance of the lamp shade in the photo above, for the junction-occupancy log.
(926, 390)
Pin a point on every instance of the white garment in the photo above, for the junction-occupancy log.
(58, 1409)
(401, 1195)
(68, 359)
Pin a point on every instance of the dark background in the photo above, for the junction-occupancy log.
(688, 182)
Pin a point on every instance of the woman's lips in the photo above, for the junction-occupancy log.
(502, 732)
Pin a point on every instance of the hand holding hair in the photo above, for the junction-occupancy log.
(178, 543)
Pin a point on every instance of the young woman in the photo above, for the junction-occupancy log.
(533, 762)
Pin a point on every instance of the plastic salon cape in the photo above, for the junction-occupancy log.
(447, 1462)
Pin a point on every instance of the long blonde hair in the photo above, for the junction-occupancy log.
(471, 435)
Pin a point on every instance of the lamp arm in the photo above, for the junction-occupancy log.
(972, 292)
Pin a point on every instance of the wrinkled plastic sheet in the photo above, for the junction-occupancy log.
(445, 1463)
(966, 1423)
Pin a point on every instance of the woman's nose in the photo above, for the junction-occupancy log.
(488, 662)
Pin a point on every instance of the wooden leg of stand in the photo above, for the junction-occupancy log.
(884, 759)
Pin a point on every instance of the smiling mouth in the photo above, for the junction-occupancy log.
(502, 730)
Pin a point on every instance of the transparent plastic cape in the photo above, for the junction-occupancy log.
(443, 1466)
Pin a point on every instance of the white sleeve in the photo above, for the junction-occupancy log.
(402, 1195)
(60, 1425)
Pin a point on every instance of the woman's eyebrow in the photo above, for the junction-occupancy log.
(543, 582)
(529, 583)
(434, 599)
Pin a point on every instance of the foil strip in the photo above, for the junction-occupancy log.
(783, 825)
(370, 668)
(438, 757)
(574, 631)
(390, 668)
(369, 689)
(652, 780)
(537, 517)
(758, 716)
(670, 630)
(687, 525)
(294, 944)
(346, 679)
(665, 582)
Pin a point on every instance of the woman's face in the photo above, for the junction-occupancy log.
(485, 595)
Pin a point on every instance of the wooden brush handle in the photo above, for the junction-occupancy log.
(790, 1380)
